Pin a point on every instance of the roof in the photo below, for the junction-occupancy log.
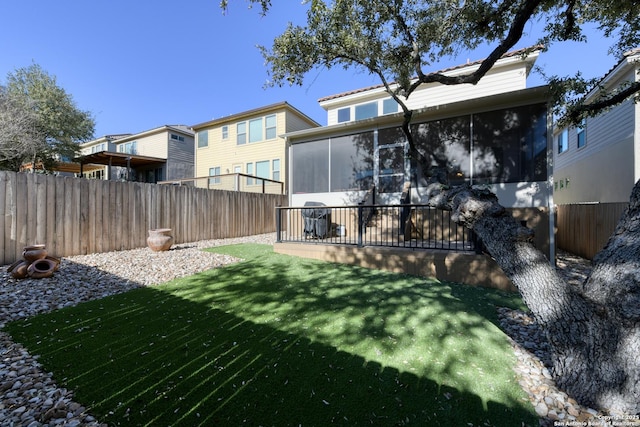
(184, 129)
(511, 54)
(254, 112)
(629, 58)
(118, 159)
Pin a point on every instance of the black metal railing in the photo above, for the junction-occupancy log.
(405, 225)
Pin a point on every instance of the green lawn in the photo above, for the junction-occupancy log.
(278, 340)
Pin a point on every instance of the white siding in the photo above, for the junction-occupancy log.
(506, 79)
(602, 170)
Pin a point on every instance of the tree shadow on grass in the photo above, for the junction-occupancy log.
(258, 344)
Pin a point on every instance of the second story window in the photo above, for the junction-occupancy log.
(344, 115)
(366, 111)
(563, 141)
(255, 130)
(203, 139)
(129, 147)
(242, 133)
(225, 132)
(270, 127)
(389, 106)
(580, 131)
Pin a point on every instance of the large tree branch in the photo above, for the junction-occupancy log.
(513, 36)
(577, 112)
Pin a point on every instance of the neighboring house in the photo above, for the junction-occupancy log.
(248, 143)
(104, 143)
(599, 161)
(494, 133)
(159, 154)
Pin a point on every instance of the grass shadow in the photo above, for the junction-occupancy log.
(277, 340)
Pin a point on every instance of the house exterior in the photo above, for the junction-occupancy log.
(496, 134)
(162, 153)
(248, 143)
(599, 161)
(104, 143)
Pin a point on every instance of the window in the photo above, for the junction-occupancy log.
(242, 133)
(97, 148)
(262, 170)
(366, 111)
(344, 115)
(275, 170)
(178, 138)
(255, 130)
(129, 147)
(225, 132)
(270, 127)
(510, 145)
(389, 106)
(213, 172)
(563, 141)
(249, 172)
(203, 139)
(446, 144)
(310, 167)
(352, 162)
(580, 131)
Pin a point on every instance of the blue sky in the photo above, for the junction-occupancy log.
(139, 65)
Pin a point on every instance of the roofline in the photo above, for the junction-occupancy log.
(253, 112)
(530, 52)
(629, 58)
(159, 129)
(502, 100)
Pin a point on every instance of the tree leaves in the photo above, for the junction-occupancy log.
(39, 121)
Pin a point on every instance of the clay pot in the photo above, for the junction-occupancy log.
(55, 260)
(34, 252)
(41, 268)
(159, 239)
(19, 269)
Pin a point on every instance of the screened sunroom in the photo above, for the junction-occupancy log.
(500, 141)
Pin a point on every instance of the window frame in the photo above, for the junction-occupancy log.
(254, 125)
(275, 169)
(563, 145)
(213, 172)
(201, 143)
(581, 134)
(243, 133)
(270, 131)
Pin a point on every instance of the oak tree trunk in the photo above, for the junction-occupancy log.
(594, 330)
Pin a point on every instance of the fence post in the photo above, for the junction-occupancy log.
(360, 225)
(278, 224)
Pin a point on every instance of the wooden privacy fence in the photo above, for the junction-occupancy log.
(583, 229)
(74, 216)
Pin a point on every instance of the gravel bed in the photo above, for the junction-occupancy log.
(29, 396)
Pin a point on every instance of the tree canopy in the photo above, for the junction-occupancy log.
(593, 330)
(39, 121)
(400, 40)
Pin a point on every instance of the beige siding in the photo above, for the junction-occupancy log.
(227, 154)
(154, 145)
